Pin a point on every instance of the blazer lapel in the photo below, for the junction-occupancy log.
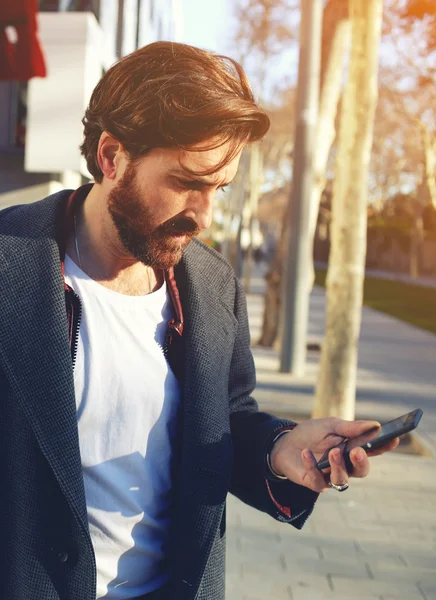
(206, 451)
(35, 353)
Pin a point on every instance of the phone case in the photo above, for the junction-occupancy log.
(413, 418)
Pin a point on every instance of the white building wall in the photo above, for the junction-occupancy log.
(130, 23)
(73, 47)
(169, 19)
(160, 20)
(108, 22)
(145, 33)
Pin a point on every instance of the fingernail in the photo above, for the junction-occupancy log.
(336, 455)
(359, 454)
(307, 454)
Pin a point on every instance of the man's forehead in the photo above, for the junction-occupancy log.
(221, 177)
(208, 160)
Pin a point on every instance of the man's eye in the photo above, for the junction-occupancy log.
(184, 183)
(190, 185)
(196, 185)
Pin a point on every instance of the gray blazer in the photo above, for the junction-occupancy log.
(45, 547)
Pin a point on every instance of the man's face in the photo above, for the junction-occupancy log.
(157, 207)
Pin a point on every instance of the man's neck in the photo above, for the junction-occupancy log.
(94, 246)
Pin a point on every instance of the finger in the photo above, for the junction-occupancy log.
(386, 448)
(312, 478)
(350, 429)
(359, 460)
(338, 473)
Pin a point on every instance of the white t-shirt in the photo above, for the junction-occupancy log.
(127, 409)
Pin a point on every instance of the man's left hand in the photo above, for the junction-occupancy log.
(295, 454)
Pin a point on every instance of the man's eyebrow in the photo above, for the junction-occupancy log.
(192, 178)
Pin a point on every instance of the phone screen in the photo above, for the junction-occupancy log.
(377, 436)
(388, 430)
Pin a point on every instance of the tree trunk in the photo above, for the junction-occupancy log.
(336, 386)
(416, 242)
(255, 183)
(417, 233)
(429, 144)
(271, 311)
(336, 36)
(235, 207)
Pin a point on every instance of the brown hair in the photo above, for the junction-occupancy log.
(172, 95)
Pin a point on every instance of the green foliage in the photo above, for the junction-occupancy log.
(385, 234)
(396, 223)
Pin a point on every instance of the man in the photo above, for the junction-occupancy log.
(125, 366)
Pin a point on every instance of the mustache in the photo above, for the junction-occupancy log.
(179, 226)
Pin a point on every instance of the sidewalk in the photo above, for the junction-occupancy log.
(378, 539)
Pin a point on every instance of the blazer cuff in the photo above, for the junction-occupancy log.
(270, 473)
(294, 503)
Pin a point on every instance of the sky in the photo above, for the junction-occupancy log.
(207, 23)
(210, 24)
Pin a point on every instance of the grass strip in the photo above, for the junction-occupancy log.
(410, 303)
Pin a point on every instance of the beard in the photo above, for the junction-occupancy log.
(159, 247)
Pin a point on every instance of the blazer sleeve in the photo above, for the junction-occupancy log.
(252, 433)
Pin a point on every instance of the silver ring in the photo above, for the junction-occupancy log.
(339, 488)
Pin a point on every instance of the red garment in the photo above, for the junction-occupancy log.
(24, 59)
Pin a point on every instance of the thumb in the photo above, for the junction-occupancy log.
(350, 429)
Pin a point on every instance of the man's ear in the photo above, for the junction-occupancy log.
(108, 151)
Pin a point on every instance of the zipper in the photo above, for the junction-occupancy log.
(168, 338)
(75, 306)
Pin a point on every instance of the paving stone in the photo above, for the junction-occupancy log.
(251, 585)
(310, 585)
(293, 548)
(428, 586)
(339, 551)
(382, 562)
(293, 553)
(299, 594)
(388, 570)
(399, 589)
(355, 533)
(414, 541)
(406, 528)
(418, 596)
(347, 567)
(256, 563)
(421, 560)
(255, 538)
(373, 550)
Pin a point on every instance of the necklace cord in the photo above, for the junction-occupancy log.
(76, 243)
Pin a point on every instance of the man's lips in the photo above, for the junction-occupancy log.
(182, 238)
(182, 228)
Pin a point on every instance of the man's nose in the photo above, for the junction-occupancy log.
(203, 208)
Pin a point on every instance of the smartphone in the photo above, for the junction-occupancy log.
(374, 438)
